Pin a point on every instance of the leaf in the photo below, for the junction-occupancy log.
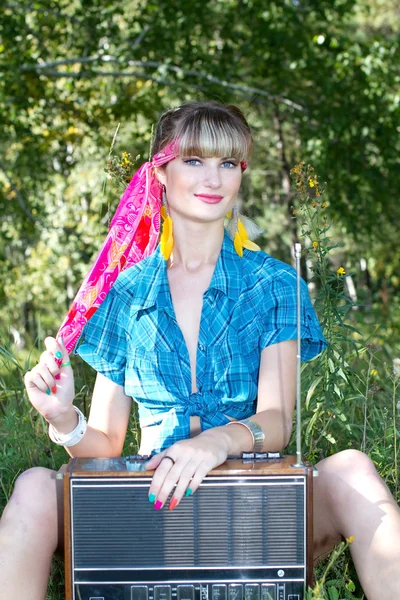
(329, 437)
(337, 391)
(311, 389)
(350, 586)
(333, 593)
(313, 420)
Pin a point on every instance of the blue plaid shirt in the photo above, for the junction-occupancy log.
(134, 339)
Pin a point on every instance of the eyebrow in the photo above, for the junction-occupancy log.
(202, 157)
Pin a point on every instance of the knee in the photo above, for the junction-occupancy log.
(350, 460)
(350, 468)
(35, 494)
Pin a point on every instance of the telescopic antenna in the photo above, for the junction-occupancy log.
(299, 458)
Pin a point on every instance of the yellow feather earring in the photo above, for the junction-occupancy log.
(238, 232)
(166, 238)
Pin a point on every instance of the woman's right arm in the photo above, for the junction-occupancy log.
(109, 411)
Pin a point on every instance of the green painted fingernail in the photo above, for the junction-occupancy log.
(48, 391)
(58, 354)
(188, 492)
(152, 497)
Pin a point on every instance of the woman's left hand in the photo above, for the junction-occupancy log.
(190, 462)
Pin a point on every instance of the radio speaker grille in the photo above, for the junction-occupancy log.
(232, 526)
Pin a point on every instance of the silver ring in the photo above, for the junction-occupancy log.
(170, 458)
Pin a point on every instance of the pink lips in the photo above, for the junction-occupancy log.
(209, 198)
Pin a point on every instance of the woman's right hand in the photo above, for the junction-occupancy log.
(50, 387)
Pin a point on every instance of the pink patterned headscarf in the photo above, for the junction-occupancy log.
(133, 235)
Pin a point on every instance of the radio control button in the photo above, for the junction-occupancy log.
(162, 592)
(268, 591)
(139, 592)
(218, 591)
(235, 591)
(185, 592)
(251, 591)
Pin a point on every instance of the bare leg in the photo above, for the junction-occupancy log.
(352, 500)
(30, 531)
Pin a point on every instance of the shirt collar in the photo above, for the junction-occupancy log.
(153, 286)
(227, 275)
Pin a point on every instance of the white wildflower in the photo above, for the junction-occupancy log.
(396, 367)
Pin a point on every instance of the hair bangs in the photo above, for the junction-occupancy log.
(207, 134)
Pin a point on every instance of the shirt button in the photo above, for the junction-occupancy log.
(201, 347)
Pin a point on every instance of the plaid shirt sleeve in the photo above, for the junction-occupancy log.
(103, 341)
(279, 316)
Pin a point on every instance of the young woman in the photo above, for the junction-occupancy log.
(201, 333)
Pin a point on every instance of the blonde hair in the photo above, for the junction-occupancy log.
(205, 129)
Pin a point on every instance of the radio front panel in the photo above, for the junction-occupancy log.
(284, 590)
(236, 538)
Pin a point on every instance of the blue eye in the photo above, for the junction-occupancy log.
(190, 161)
(230, 164)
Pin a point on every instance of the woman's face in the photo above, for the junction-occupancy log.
(202, 189)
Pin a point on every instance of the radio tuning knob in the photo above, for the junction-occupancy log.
(281, 573)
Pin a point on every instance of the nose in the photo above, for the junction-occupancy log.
(212, 177)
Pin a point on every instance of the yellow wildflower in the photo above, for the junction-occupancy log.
(341, 271)
(350, 539)
(311, 182)
(315, 245)
(296, 170)
(72, 130)
(324, 204)
(126, 160)
(374, 372)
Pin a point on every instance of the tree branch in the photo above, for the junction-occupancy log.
(48, 69)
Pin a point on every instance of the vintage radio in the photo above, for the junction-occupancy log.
(243, 535)
(246, 534)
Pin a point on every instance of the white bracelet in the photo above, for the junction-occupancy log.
(70, 439)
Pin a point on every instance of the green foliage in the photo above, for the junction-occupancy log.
(335, 579)
(318, 81)
(341, 384)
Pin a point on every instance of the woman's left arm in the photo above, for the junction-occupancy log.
(192, 459)
(276, 401)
